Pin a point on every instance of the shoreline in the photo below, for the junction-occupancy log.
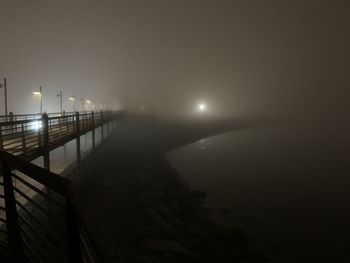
(148, 213)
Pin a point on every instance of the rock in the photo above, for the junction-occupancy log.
(174, 233)
(198, 194)
(196, 230)
(174, 221)
(191, 244)
(169, 258)
(142, 231)
(158, 186)
(165, 245)
(195, 214)
(176, 258)
(225, 212)
(149, 216)
(175, 207)
(164, 211)
(148, 259)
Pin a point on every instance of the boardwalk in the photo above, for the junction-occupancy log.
(25, 135)
(29, 202)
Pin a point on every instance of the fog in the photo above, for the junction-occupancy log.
(242, 58)
(260, 88)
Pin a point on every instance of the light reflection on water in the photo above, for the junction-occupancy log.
(65, 157)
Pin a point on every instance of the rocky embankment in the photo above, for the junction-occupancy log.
(153, 216)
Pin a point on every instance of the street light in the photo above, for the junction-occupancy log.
(4, 85)
(40, 94)
(60, 95)
(201, 107)
(84, 100)
(72, 99)
(89, 104)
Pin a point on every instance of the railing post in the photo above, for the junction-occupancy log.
(113, 120)
(1, 142)
(73, 238)
(46, 150)
(93, 129)
(77, 129)
(67, 123)
(23, 138)
(13, 229)
(108, 119)
(102, 123)
(11, 116)
(39, 135)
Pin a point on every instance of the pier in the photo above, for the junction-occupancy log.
(38, 219)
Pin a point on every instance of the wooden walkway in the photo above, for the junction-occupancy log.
(24, 138)
(30, 137)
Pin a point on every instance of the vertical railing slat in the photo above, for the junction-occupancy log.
(46, 150)
(16, 253)
(77, 128)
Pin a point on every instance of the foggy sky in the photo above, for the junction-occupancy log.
(243, 58)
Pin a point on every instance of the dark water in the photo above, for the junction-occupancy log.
(287, 186)
(63, 159)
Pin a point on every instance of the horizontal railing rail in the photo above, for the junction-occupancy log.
(41, 222)
(33, 116)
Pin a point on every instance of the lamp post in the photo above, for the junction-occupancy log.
(83, 101)
(40, 94)
(72, 99)
(88, 102)
(60, 95)
(4, 85)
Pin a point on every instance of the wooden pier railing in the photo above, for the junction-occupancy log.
(38, 219)
(41, 222)
(30, 136)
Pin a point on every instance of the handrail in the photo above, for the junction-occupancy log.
(27, 137)
(76, 239)
(20, 142)
(57, 183)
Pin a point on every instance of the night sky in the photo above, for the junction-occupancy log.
(242, 58)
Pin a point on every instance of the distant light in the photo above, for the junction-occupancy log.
(88, 101)
(201, 107)
(36, 125)
(72, 99)
(37, 93)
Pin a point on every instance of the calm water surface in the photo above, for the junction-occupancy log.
(289, 187)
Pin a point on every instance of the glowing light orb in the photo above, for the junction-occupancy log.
(201, 107)
(36, 125)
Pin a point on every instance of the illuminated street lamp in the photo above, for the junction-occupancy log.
(201, 107)
(84, 100)
(93, 105)
(88, 102)
(72, 99)
(40, 94)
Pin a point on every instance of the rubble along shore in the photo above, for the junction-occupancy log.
(148, 214)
